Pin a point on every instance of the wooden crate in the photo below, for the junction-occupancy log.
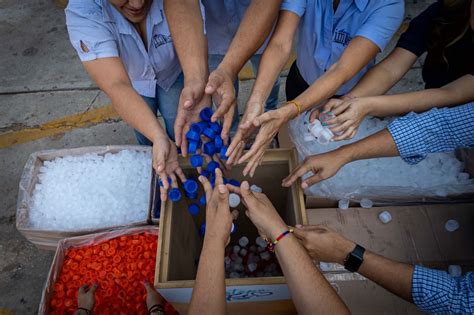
(179, 244)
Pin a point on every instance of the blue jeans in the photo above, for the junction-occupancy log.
(272, 101)
(166, 102)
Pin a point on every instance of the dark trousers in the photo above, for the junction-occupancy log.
(295, 84)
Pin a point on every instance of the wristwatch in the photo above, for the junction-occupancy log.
(354, 259)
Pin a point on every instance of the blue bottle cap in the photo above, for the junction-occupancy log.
(203, 125)
(209, 148)
(161, 182)
(193, 209)
(234, 182)
(196, 160)
(216, 127)
(208, 132)
(193, 146)
(191, 186)
(202, 200)
(223, 152)
(191, 195)
(179, 150)
(232, 229)
(194, 133)
(202, 230)
(226, 181)
(174, 194)
(206, 114)
(205, 173)
(211, 166)
(218, 142)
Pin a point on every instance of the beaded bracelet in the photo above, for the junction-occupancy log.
(298, 106)
(271, 245)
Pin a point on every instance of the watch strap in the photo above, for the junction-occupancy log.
(354, 259)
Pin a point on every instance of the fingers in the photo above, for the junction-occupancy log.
(213, 83)
(260, 142)
(83, 289)
(253, 163)
(178, 127)
(93, 288)
(314, 115)
(227, 123)
(299, 232)
(316, 178)
(174, 183)
(348, 134)
(344, 126)
(163, 194)
(342, 107)
(234, 189)
(246, 193)
(234, 147)
(331, 104)
(297, 173)
(219, 179)
(265, 117)
(207, 188)
(180, 174)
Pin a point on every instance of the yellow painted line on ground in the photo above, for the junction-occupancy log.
(58, 126)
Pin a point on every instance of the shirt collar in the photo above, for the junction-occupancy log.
(361, 4)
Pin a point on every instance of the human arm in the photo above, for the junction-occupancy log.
(254, 28)
(412, 137)
(273, 60)
(209, 290)
(85, 299)
(351, 112)
(187, 29)
(310, 291)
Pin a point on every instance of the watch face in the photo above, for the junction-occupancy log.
(355, 259)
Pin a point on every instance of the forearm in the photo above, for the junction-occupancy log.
(310, 291)
(380, 144)
(252, 33)
(134, 111)
(187, 29)
(209, 289)
(394, 276)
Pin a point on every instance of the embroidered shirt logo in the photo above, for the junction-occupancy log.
(342, 37)
(161, 39)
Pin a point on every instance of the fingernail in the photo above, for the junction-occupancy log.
(304, 185)
(201, 178)
(222, 189)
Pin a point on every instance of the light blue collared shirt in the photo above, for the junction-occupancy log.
(323, 34)
(107, 33)
(223, 18)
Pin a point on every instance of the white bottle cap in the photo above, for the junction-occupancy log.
(243, 241)
(234, 200)
(366, 203)
(243, 252)
(256, 188)
(343, 204)
(236, 249)
(261, 242)
(385, 217)
(252, 267)
(455, 270)
(325, 136)
(265, 255)
(451, 225)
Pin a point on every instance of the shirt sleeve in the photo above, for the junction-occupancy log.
(414, 38)
(85, 25)
(383, 23)
(438, 130)
(436, 292)
(296, 6)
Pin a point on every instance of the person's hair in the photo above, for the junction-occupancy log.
(451, 25)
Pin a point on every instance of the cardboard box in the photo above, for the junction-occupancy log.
(179, 244)
(416, 235)
(48, 239)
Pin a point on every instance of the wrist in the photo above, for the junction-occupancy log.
(347, 153)
(228, 68)
(344, 250)
(276, 230)
(199, 80)
(214, 240)
(369, 106)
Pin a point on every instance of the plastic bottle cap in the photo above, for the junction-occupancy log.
(209, 148)
(234, 182)
(366, 203)
(243, 241)
(232, 229)
(325, 136)
(208, 132)
(202, 200)
(211, 166)
(215, 127)
(256, 189)
(223, 152)
(343, 204)
(385, 217)
(196, 160)
(234, 200)
(193, 209)
(325, 116)
(218, 142)
(202, 230)
(206, 114)
(206, 173)
(194, 133)
(193, 146)
(451, 225)
(174, 194)
(191, 186)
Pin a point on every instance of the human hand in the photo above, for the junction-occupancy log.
(323, 244)
(221, 86)
(260, 211)
(269, 123)
(86, 297)
(153, 297)
(245, 130)
(165, 163)
(188, 114)
(218, 215)
(323, 166)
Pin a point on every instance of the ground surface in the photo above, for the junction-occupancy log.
(47, 101)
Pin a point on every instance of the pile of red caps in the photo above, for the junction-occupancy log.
(119, 266)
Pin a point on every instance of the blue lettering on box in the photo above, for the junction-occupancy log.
(236, 295)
